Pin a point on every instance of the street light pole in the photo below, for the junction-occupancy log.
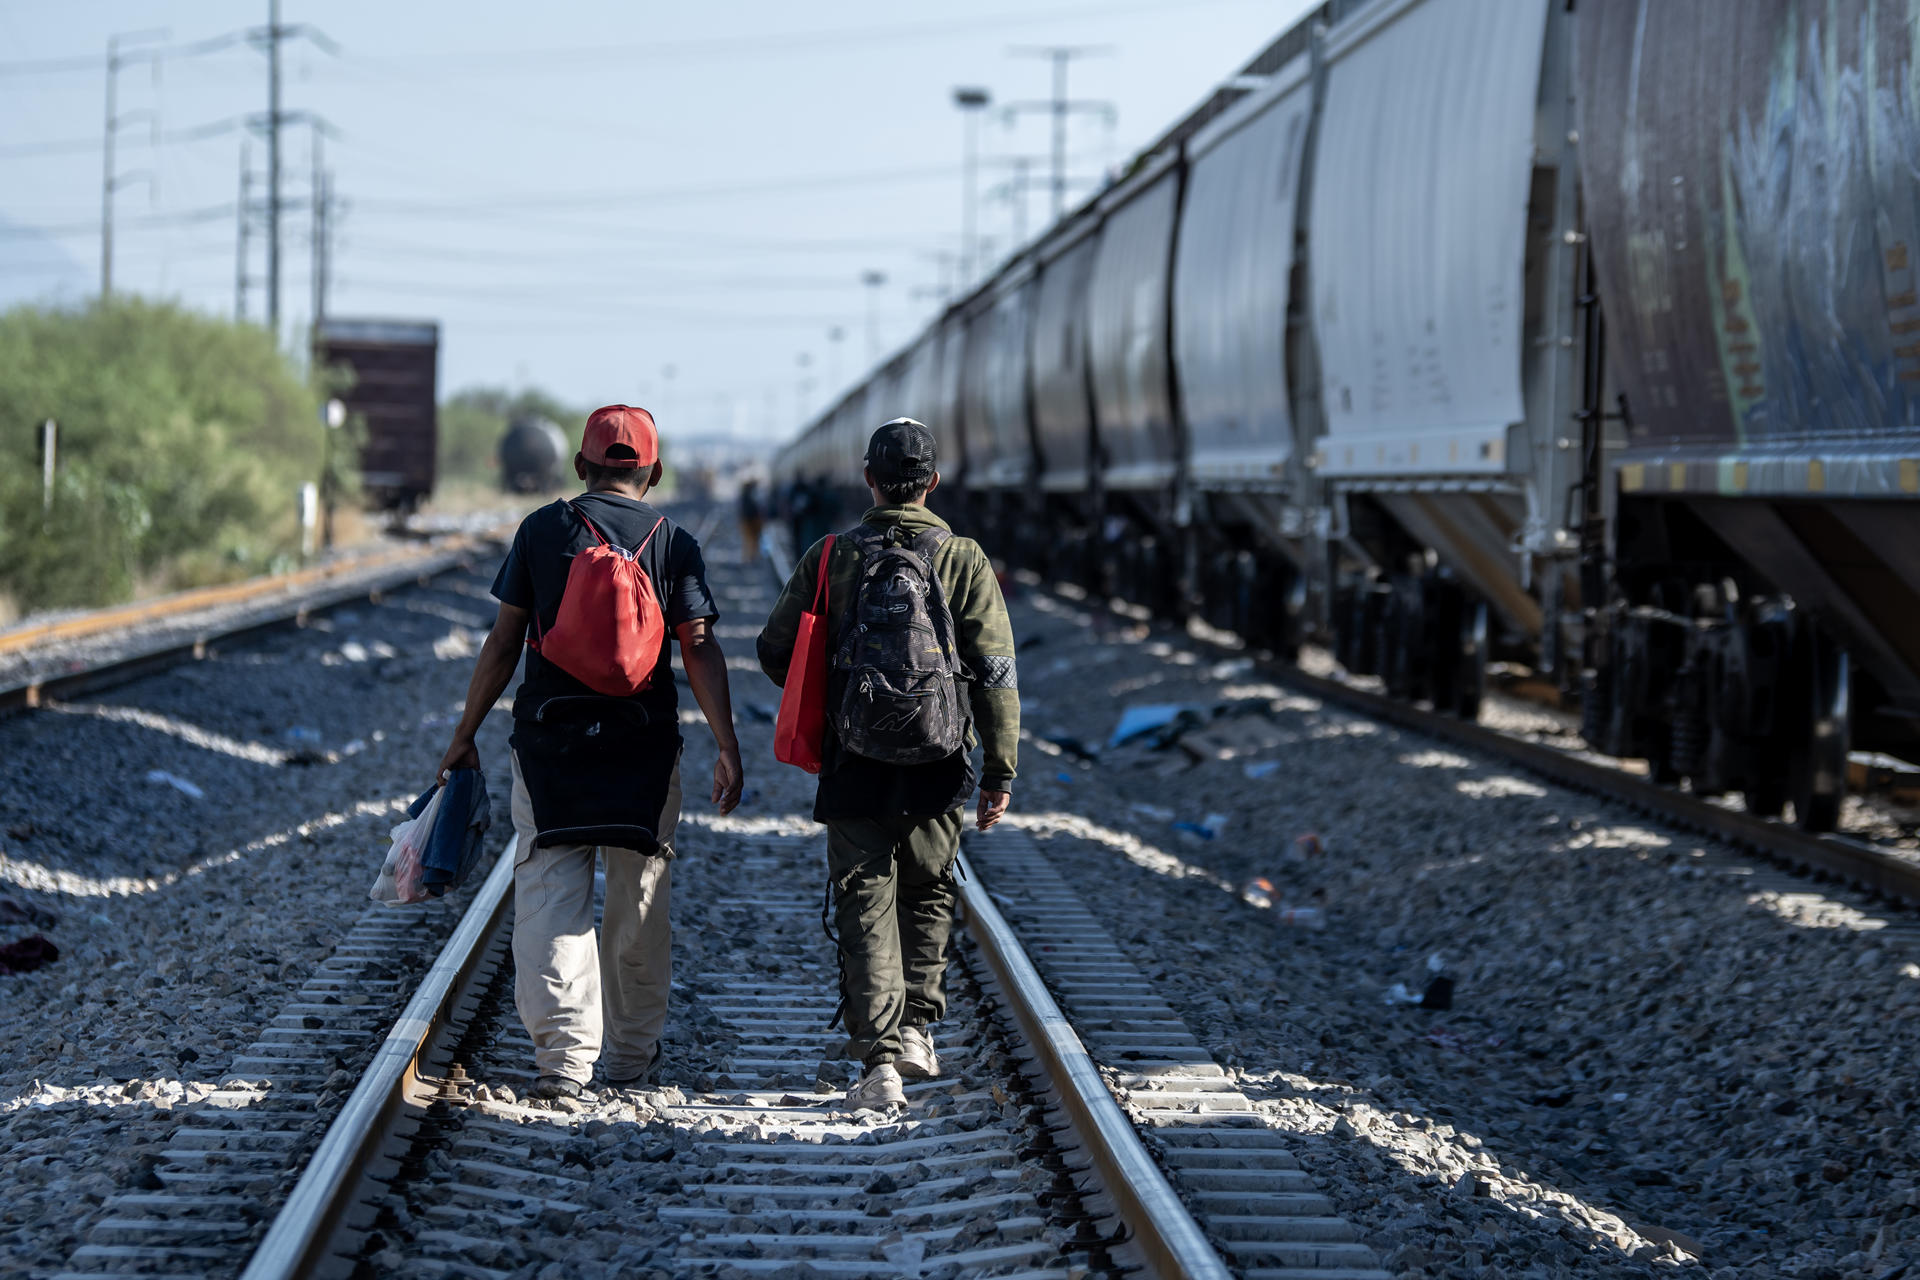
(971, 101)
(873, 280)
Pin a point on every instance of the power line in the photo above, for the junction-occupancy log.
(164, 138)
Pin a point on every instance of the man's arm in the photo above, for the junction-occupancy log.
(491, 672)
(775, 645)
(706, 670)
(986, 645)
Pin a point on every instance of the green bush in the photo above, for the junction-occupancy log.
(183, 442)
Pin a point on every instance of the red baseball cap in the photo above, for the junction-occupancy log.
(620, 435)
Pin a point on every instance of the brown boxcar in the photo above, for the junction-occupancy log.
(392, 368)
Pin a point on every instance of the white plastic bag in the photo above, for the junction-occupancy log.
(402, 875)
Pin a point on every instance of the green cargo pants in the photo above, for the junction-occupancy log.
(893, 900)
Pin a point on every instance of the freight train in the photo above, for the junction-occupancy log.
(1452, 331)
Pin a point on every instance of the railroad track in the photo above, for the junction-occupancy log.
(1018, 1160)
(1835, 855)
(1079, 1127)
(100, 649)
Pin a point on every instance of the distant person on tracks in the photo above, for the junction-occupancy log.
(593, 771)
(908, 606)
(753, 518)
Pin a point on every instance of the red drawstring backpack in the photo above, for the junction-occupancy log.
(609, 629)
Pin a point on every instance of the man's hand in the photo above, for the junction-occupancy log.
(727, 779)
(993, 807)
(461, 754)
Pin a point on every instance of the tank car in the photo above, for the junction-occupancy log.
(1430, 339)
(1755, 211)
(533, 454)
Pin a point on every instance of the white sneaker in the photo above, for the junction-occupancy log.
(917, 1060)
(879, 1089)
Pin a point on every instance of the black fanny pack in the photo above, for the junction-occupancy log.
(597, 772)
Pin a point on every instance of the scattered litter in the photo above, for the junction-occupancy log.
(1300, 917)
(1063, 776)
(433, 720)
(27, 954)
(1159, 813)
(17, 911)
(1166, 720)
(301, 735)
(353, 651)
(1619, 1097)
(1437, 994)
(20, 831)
(1260, 892)
(904, 1250)
(1308, 845)
(1072, 746)
(1230, 669)
(175, 781)
(1033, 641)
(1208, 828)
(1258, 769)
(760, 712)
(354, 748)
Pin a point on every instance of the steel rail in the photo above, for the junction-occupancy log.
(303, 1229)
(410, 567)
(119, 617)
(1855, 861)
(1164, 1232)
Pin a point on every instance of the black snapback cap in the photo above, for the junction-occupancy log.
(901, 452)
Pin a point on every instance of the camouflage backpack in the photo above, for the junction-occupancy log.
(903, 703)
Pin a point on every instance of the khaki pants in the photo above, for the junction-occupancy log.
(572, 994)
(893, 897)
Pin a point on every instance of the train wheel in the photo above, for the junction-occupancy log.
(1765, 792)
(1470, 662)
(1818, 768)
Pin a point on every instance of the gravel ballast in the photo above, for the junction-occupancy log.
(1656, 1054)
(183, 922)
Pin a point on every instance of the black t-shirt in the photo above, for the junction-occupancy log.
(535, 574)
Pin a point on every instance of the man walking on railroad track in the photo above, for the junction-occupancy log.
(919, 638)
(591, 588)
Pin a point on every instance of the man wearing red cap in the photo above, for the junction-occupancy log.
(589, 764)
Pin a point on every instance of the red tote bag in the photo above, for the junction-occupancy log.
(800, 731)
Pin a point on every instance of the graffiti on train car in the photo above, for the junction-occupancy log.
(1756, 215)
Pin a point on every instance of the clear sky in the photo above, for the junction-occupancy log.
(587, 195)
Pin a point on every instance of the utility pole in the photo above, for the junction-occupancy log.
(243, 220)
(269, 38)
(273, 168)
(109, 180)
(971, 103)
(322, 250)
(1059, 106)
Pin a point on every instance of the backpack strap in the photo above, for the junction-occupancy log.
(591, 527)
(649, 538)
(820, 579)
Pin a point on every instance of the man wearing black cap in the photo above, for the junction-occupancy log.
(893, 830)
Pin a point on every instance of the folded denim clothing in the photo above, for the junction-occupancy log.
(459, 830)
